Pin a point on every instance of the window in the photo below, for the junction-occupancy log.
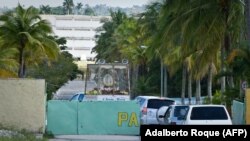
(208, 113)
(157, 103)
(81, 96)
(75, 97)
(168, 112)
(180, 112)
(140, 101)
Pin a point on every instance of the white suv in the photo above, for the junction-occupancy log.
(207, 115)
(149, 106)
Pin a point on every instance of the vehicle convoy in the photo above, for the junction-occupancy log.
(196, 115)
(149, 106)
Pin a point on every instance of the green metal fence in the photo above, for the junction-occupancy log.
(97, 117)
(238, 115)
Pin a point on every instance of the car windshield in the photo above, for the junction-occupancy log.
(208, 113)
(140, 101)
(75, 97)
(157, 103)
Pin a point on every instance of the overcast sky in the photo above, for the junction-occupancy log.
(53, 3)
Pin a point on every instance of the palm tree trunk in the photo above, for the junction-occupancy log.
(247, 6)
(183, 88)
(223, 78)
(189, 88)
(21, 63)
(231, 81)
(225, 47)
(198, 92)
(209, 83)
(135, 78)
(165, 81)
(162, 79)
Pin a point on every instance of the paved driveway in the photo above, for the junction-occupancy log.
(95, 138)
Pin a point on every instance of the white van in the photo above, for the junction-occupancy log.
(207, 115)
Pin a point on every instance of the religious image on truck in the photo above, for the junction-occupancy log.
(109, 82)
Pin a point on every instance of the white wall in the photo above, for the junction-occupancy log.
(22, 104)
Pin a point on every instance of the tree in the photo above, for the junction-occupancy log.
(8, 64)
(56, 74)
(79, 7)
(201, 27)
(106, 41)
(24, 30)
(45, 9)
(89, 11)
(68, 5)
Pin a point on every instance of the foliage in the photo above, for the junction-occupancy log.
(89, 11)
(105, 44)
(24, 30)
(45, 9)
(8, 64)
(24, 138)
(68, 5)
(216, 99)
(143, 86)
(19, 135)
(227, 97)
(57, 73)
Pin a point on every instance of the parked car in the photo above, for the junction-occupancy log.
(207, 115)
(174, 115)
(149, 106)
(77, 97)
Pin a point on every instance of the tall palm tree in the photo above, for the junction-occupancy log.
(68, 5)
(24, 30)
(205, 26)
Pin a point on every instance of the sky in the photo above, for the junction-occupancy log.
(53, 3)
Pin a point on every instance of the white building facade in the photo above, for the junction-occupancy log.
(79, 31)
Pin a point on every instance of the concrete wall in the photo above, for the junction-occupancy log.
(22, 104)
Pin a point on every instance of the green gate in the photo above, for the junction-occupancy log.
(93, 118)
(238, 112)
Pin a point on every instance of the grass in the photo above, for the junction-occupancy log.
(23, 136)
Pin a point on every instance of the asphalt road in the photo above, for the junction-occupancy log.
(73, 87)
(95, 138)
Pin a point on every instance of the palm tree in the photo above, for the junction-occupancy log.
(8, 64)
(45, 9)
(247, 11)
(79, 7)
(24, 30)
(68, 5)
(205, 26)
(106, 44)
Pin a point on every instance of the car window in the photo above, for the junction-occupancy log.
(75, 97)
(168, 112)
(157, 103)
(208, 113)
(140, 101)
(180, 112)
(81, 97)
